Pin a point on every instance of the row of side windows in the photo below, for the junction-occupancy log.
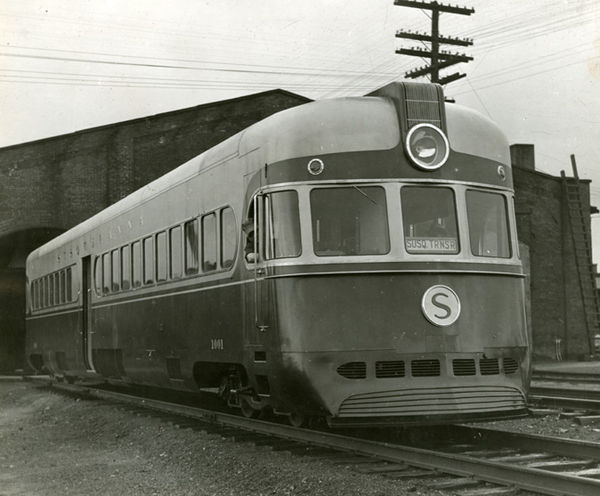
(201, 245)
(53, 289)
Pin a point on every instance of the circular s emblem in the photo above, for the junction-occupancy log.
(440, 305)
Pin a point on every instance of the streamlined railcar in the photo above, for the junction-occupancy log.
(354, 259)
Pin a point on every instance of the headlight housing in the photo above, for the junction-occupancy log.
(427, 146)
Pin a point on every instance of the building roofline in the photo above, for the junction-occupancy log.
(154, 116)
(546, 175)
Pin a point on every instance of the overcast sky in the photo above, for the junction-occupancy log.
(67, 65)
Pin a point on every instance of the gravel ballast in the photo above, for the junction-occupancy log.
(52, 444)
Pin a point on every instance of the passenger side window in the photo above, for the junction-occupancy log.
(116, 271)
(70, 285)
(136, 272)
(125, 267)
(191, 247)
(228, 238)
(161, 256)
(47, 288)
(175, 250)
(209, 243)
(106, 273)
(56, 288)
(148, 261)
(62, 289)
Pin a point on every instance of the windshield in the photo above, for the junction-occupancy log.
(429, 216)
(488, 224)
(349, 221)
(282, 225)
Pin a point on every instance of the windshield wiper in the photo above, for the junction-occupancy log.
(364, 194)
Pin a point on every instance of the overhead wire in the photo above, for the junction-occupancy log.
(382, 68)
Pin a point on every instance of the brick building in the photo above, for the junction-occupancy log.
(558, 322)
(50, 185)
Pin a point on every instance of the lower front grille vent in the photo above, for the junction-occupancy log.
(389, 369)
(353, 370)
(489, 366)
(510, 365)
(425, 368)
(462, 366)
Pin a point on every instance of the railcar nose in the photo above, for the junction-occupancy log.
(408, 346)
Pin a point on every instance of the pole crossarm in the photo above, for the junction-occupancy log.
(447, 40)
(440, 59)
(435, 6)
(445, 56)
(422, 71)
(451, 77)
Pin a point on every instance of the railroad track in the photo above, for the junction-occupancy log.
(565, 396)
(579, 377)
(469, 462)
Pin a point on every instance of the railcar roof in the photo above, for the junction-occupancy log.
(321, 127)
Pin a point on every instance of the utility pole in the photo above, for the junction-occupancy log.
(440, 59)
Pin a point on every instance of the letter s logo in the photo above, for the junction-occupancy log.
(440, 305)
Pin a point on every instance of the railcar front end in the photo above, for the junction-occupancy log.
(390, 281)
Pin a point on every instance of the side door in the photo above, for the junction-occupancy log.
(86, 300)
(258, 294)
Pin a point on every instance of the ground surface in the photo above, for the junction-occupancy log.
(51, 444)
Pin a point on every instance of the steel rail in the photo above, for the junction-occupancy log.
(533, 442)
(566, 377)
(566, 392)
(531, 479)
(565, 398)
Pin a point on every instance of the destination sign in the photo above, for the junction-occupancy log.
(432, 245)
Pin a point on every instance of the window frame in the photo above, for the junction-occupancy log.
(137, 264)
(115, 263)
(69, 284)
(189, 269)
(389, 248)
(507, 218)
(456, 199)
(221, 235)
(106, 273)
(148, 261)
(125, 268)
(209, 215)
(161, 257)
(175, 252)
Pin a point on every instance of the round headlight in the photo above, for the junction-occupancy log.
(427, 146)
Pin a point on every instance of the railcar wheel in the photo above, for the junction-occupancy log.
(70, 379)
(297, 419)
(247, 410)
